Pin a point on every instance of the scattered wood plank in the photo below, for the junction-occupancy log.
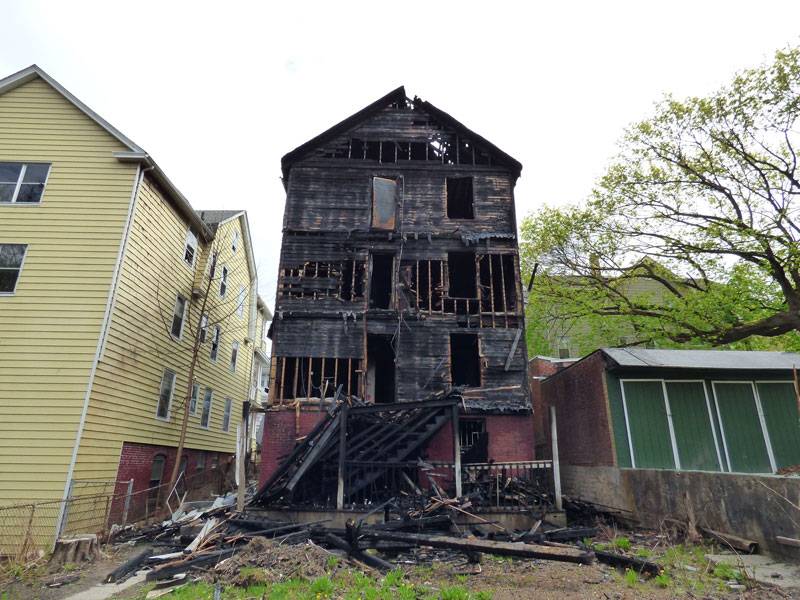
(629, 562)
(128, 566)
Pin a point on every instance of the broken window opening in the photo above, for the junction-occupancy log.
(380, 290)
(498, 283)
(474, 441)
(384, 203)
(380, 369)
(403, 151)
(419, 151)
(460, 198)
(373, 151)
(465, 364)
(465, 152)
(461, 274)
(299, 377)
(316, 280)
(388, 152)
(356, 149)
(424, 281)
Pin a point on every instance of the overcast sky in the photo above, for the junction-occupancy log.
(218, 92)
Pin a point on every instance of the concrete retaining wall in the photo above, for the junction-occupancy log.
(755, 507)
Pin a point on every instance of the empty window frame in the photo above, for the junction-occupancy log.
(474, 441)
(460, 198)
(234, 356)
(318, 279)
(215, 340)
(240, 301)
(381, 277)
(12, 256)
(305, 376)
(22, 183)
(498, 284)
(226, 415)
(190, 248)
(194, 399)
(205, 415)
(465, 362)
(423, 281)
(165, 395)
(442, 148)
(223, 281)
(461, 275)
(384, 203)
(178, 317)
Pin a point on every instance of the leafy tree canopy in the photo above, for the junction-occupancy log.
(702, 205)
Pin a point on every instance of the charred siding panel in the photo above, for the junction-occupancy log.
(326, 337)
(328, 199)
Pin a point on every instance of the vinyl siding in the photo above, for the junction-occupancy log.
(49, 329)
(139, 346)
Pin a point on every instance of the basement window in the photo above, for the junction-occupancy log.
(460, 198)
(461, 273)
(380, 288)
(465, 365)
(384, 203)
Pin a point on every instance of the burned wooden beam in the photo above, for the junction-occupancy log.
(572, 555)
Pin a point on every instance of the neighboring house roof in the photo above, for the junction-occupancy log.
(740, 360)
(213, 218)
(397, 95)
(134, 152)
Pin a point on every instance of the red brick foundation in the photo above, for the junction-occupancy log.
(280, 434)
(510, 439)
(136, 462)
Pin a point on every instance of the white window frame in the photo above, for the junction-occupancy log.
(21, 266)
(194, 399)
(673, 440)
(190, 235)
(235, 242)
(210, 393)
(759, 411)
(240, 298)
(178, 297)
(223, 281)
(216, 338)
(226, 415)
(212, 264)
(171, 394)
(19, 183)
(234, 356)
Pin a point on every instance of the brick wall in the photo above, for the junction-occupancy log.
(539, 368)
(584, 430)
(510, 439)
(280, 435)
(136, 462)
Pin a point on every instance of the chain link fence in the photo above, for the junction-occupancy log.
(95, 507)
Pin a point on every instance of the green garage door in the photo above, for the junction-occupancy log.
(779, 403)
(647, 421)
(744, 438)
(694, 435)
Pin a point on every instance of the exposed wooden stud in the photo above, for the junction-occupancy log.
(308, 388)
(296, 375)
(503, 288)
(283, 377)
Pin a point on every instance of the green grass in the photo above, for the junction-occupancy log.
(621, 543)
(631, 578)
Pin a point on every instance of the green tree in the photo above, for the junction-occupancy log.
(702, 203)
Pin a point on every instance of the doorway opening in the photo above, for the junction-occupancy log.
(465, 362)
(380, 369)
(380, 288)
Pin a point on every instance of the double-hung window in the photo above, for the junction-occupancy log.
(226, 416)
(11, 258)
(194, 398)
(190, 249)
(240, 301)
(178, 317)
(234, 356)
(203, 328)
(235, 243)
(165, 394)
(205, 417)
(22, 183)
(212, 265)
(223, 282)
(215, 342)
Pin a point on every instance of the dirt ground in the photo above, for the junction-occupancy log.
(32, 584)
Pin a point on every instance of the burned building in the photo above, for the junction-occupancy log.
(398, 283)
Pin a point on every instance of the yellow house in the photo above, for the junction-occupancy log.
(109, 280)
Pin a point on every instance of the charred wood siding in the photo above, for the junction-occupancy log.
(328, 260)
